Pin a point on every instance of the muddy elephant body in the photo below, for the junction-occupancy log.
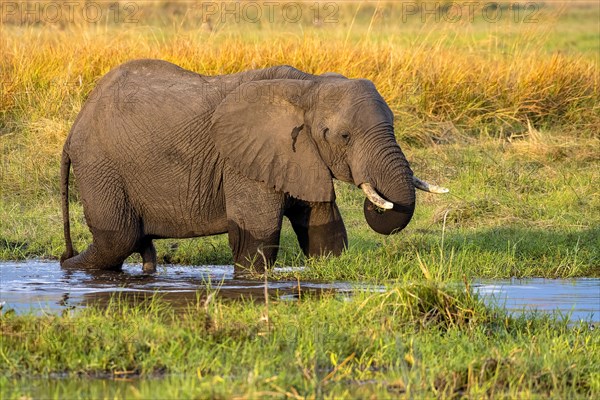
(162, 152)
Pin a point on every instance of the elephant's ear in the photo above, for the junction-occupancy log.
(261, 130)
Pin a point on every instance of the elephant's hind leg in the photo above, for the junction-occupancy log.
(106, 252)
(91, 258)
(148, 253)
(115, 227)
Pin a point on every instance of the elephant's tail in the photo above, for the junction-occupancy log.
(65, 166)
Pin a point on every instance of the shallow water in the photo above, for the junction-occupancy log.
(577, 298)
(39, 287)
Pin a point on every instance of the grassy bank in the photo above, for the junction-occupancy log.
(414, 340)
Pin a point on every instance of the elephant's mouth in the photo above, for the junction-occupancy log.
(388, 217)
(382, 204)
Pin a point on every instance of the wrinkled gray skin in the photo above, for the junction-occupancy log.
(162, 152)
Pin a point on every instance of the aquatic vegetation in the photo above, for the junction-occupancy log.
(418, 339)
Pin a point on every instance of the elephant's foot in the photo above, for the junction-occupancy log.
(66, 255)
(91, 259)
(107, 252)
(252, 254)
(254, 261)
(149, 268)
(148, 253)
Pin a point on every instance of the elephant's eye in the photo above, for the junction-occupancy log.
(345, 137)
(336, 137)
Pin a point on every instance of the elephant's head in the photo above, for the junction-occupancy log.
(296, 135)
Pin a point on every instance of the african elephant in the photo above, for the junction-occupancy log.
(162, 152)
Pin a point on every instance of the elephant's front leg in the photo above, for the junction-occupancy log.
(318, 226)
(254, 216)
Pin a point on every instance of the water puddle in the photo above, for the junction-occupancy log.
(40, 287)
(578, 298)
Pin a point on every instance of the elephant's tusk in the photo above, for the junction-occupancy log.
(375, 198)
(427, 187)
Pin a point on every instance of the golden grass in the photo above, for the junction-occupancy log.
(441, 91)
(53, 75)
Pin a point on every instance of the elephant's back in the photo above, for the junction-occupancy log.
(145, 95)
(141, 109)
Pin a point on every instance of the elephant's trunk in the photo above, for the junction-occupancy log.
(386, 171)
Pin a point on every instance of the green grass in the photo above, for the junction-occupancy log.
(525, 207)
(418, 339)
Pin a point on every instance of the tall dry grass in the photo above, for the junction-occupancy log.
(439, 90)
